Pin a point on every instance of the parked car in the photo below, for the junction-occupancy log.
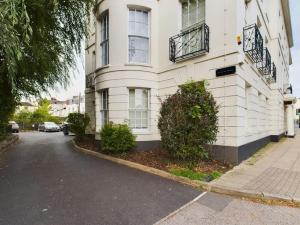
(48, 127)
(13, 126)
(66, 130)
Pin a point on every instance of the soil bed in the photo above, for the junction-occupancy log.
(160, 159)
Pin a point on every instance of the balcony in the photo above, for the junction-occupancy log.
(265, 65)
(189, 43)
(253, 43)
(90, 81)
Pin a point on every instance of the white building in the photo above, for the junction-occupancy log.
(297, 110)
(140, 50)
(64, 108)
(27, 106)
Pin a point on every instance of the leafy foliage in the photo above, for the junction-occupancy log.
(117, 138)
(78, 123)
(26, 118)
(193, 175)
(38, 42)
(188, 122)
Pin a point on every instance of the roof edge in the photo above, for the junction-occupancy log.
(287, 21)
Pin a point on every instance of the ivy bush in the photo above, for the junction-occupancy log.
(188, 122)
(117, 138)
(78, 123)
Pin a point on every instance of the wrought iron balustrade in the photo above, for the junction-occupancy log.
(90, 81)
(190, 43)
(265, 66)
(253, 43)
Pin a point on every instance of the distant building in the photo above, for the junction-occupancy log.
(29, 106)
(297, 110)
(64, 108)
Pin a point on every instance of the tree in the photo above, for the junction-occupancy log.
(23, 118)
(188, 122)
(38, 43)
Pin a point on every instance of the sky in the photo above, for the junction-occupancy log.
(77, 83)
(295, 67)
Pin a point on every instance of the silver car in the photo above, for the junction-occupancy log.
(14, 126)
(49, 127)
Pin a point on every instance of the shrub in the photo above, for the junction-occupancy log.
(117, 138)
(78, 123)
(188, 122)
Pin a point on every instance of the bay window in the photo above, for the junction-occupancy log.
(139, 108)
(138, 36)
(104, 45)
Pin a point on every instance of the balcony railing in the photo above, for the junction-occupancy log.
(272, 78)
(190, 43)
(253, 43)
(265, 66)
(90, 81)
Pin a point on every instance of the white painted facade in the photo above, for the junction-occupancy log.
(64, 108)
(251, 108)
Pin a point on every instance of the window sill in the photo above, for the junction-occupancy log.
(141, 131)
(103, 67)
(139, 64)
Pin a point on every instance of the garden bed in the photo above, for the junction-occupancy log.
(203, 170)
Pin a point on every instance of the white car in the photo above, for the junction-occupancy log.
(48, 127)
(14, 126)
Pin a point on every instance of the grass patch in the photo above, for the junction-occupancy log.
(188, 173)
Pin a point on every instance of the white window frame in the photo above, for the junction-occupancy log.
(140, 129)
(104, 42)
(104, 109)
(138, 36)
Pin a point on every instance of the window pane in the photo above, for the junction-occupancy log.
(138, 36)
(201, 16)
(145, 115)
(131, 98)
(138, 99)
(131, 28)
(185, 14)
(144, 123)
(132, 119)
(138, 108)
(145, 99)
(138, 49)
(104, 40)
(145, 18)
(131, 15)
(193, 12)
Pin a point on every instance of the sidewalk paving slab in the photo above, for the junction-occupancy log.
(274, 172)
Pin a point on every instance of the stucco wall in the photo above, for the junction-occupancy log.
(250, 108)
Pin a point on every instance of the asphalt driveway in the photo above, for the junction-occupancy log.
(43, 181)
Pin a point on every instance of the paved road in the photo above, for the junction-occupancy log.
(44, 182)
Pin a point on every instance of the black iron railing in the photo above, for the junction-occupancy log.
(253, 43)
(272, 78)
(190, 43)
(265, 66)
(90, 81)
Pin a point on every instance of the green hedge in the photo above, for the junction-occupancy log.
(78, 123)
(117, 138)
(188, 122)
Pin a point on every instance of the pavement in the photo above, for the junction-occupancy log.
(274, 172)
(215, 209)
(43, 181)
